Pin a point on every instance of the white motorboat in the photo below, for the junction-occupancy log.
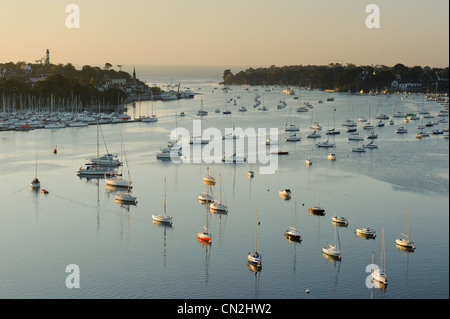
(170, 152)
(358, 149)
(332, 156)
(308, 161)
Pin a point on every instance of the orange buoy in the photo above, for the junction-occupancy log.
(55, 150)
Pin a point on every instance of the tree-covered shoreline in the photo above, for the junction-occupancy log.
(43, 85)
(346, 78)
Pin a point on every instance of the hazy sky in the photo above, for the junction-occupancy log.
(226, 32)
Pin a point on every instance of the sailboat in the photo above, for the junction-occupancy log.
(97, 169)
(217, 205)
(125, 196)
(208, 178)
(406, 242)
(333, 250)
(205, 236)
(333, 131)
(292, 232)
(255, 258)
(163, 218)
(153, 118)
(116, 180)
(35, 183)
(379, 274)
(317, 210)
(289, 126)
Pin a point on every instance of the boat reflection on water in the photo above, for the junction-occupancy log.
(254, 267)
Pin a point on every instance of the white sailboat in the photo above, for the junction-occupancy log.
(217, 205)
(151, 119)
(163, 218)
(406, 242)
(208, 178)
(126, 196)
(255, 258)
(333, 250)
(292, 233)
(379, 274)
(117, 180)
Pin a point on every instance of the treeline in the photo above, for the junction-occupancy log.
(340, 77)
(60, 82)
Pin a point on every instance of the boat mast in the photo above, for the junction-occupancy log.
(164, 196)
(256, 232)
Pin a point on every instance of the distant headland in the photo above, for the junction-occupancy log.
(347, 78)
(43, 85)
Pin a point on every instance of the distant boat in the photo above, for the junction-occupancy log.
(333, 250)
(308, 161)
(366, 232)
(379, 274)
(358, 149)
(317, 210)
(35, 183)
(205, 235)
(285, 192)
(126, 196)
(325, 144)
(313, 135)
(208, 178)
(342, 221)
(117, 180)
(218, 205)
(355, 137)
(293, 138)
(406, 242)
(370, 145)
(332, 156)
(234, 159)
(255, 257)
(163, 218)
(401, 130)
(292, 233)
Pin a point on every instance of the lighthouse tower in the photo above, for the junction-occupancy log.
(47, 57)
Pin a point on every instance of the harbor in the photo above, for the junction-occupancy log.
(400, 187)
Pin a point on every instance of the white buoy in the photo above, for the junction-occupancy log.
(308, 291)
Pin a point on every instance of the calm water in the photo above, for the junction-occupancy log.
(121, 253)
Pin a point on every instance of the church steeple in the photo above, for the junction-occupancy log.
(134, 74)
